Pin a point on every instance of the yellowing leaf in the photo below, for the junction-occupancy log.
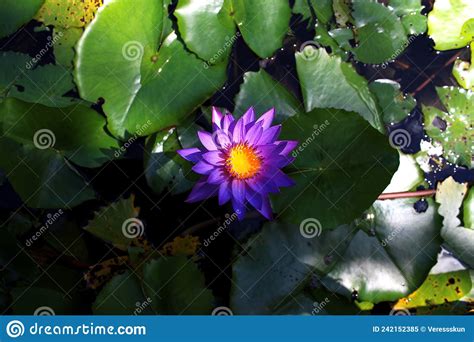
(68, 13)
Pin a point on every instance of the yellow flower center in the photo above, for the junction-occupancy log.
(242, 161)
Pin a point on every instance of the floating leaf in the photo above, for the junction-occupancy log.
(464, 72)
(388, 264)
(455, 131)
(182, 246)
(324, 78)
(334, 145)
(438, 289)
(68, 13)
(117, 223)
(14, 13)
(123, 295)
(263, 25)
(278, 262)
(213, 19)
(448, 24)
(176, 287)
(262, 92)
(394, 104)
(460, 240)
(449, 194)
(469, 209)
(143, 84)
(408, 175)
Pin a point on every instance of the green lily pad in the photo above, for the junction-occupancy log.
(68, 13)
(449, 195)
(262, 92)
(377, 26)
(469, 209)
(117, 223)
(176, 287)
(449, 24)
(278, 262)
(263, 24)
(408, 175)
(457, 138)
(122, 295)
(212, 19)
(334, 145)
(464, 72)
(164, 168)
(460, 240)
(324, 78)
(14, 14)
(394, 104)
(388, 265)
(438, 289)
(144, 84)
(76, 132)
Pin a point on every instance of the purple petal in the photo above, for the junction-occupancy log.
(263, 185)
(281, 179)
(254, 133)
(267, 118)
(216, 117)
(213, 157)
(239, 209)
(202, 190)
(224, 192)
(216, 176)
(249, 116)
(221, 139)
(192, 154)
(238, 132)
(266, 209)
(270, 135)
(288, 146)
(226, 121)
(207, 141)
(269, 151)
(203, 168)
(254, 198)
(238, 190)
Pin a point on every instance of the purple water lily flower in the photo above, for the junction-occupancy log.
(240, 161)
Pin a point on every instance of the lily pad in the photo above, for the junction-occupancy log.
(14, 14)
(460, 240)
(450, 194)
(150, 80)
(469, 209)
(455, 132)
(387, 264)
(323, 78)
(464, 72)
(68, 13)
(277, 263)
(262, 92)
(176, 287)
(449, 24)
(334, 145)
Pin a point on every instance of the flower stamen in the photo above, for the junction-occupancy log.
(242, 161)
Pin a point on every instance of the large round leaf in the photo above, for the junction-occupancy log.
(448, 21)
(279, 261)
(342, 165)
(377, 26)
(263, 23)
(395, 260)
(461, 241)
(211, 20)
(327, 82)
(118, 61)
(262, 92)
(14, 13)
